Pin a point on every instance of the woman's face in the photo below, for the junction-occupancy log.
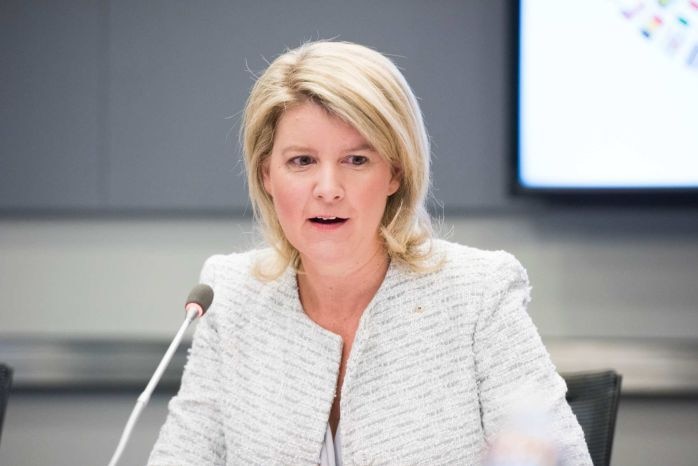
(329, 188)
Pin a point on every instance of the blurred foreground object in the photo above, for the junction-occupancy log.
(525, 438)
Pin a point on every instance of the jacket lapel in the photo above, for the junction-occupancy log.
(287, 375)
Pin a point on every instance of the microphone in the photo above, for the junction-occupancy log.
(199, 299)
(197, 304)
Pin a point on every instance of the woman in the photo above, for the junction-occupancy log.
(355, 336)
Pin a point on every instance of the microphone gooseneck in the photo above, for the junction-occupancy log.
(198, 302)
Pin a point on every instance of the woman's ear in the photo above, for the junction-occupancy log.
(395, 181)
(266, 178)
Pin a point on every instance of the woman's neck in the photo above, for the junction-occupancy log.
(333, 298)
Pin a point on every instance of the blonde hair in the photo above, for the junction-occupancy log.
(365, 89)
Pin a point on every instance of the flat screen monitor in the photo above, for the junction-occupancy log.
(607, 96)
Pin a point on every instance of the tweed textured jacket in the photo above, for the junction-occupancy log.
(437, 360)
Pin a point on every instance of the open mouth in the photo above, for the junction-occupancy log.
(328, 220)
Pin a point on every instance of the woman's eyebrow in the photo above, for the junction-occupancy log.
(361, 147)
(297, 149)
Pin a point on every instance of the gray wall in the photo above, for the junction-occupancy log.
(594, 273)
(132, 106)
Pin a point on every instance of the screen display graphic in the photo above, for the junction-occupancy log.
(608, 94)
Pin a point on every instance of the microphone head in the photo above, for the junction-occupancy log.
(200, 297)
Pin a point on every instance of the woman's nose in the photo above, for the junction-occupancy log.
(328, 185)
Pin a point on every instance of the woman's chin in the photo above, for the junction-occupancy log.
(328, 257)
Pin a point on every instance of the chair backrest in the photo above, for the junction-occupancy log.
(5, 383)
(593, 397)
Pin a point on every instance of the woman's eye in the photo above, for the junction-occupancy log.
(357, 159)
(301, 160)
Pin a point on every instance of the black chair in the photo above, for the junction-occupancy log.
(5, 383)
(593, 397)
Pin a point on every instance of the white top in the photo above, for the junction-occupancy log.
(331, 454)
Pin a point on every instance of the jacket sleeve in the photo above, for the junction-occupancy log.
(514, 372)
(193, 431)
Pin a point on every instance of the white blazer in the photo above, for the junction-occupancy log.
(436, 360)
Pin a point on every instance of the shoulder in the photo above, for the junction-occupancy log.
(467, 277)
(232, 278)
(465, 262)
(480, 284)
(232, 267)
(236, 289)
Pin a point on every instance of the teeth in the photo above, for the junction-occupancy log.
(328, 220)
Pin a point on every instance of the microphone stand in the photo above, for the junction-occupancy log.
(192, 313)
